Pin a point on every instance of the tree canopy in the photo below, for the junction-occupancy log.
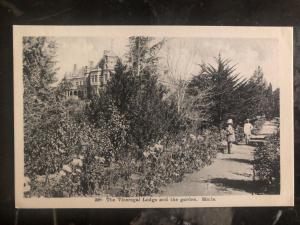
(224, 94)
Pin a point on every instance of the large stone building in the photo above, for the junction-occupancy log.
(90, 80)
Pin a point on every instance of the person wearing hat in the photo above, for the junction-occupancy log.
(230, 134)
(247, 130)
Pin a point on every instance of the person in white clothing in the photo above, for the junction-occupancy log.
(247, 130)
(230, 135)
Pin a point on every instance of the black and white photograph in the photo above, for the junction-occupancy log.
(153, 116)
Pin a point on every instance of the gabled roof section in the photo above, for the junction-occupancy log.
(76, 73)
(106, 54)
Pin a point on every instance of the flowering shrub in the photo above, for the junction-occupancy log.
(87, 173)
(55, 153)
(168, 160)
(267, 163)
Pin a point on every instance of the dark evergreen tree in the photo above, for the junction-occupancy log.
(258, 86)
(269, 102)
(138, 96)
(276, 99)
(244, 98)
(220, 83)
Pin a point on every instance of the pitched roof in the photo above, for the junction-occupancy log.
(77, 73)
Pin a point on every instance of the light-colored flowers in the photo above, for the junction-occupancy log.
(61, 151)
(62, 173)
(193, 137)
(100, 159)
(135, 177)
(146, 154)
(67, 168)
(77, 162)
(158, 146)
(200, 138)
(40, 179)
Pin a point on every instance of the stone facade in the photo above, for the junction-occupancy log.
(90, 80)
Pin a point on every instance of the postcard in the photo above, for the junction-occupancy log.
(153, 116)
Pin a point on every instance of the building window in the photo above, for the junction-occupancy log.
(71, 93)
(101, 80)
(76, 83)
(75, 92)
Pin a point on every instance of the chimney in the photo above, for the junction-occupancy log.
(86, 71)
(106, 53)
(91, 64)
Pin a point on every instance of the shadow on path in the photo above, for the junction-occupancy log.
(239, 160)
(240, 185)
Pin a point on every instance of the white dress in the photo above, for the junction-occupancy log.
(247, 129)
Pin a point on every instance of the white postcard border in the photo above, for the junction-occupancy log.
(283, 35)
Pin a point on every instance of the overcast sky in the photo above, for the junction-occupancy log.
(183, 53)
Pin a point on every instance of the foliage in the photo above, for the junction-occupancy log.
(258, 125)
(53, 132)
(169, 160)
(57, 142)
(142, 54)
(224, 95)
(38, 63)
(138, 97)
(239, 134)
(162, 163)
(264, 100)
(276, 102)
(103, 112)
(221, 82)
(257, 98)
(38, 73)
(267, 163)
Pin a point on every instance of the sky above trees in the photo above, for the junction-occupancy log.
(185, 53)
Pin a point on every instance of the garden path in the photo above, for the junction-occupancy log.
(229, 174)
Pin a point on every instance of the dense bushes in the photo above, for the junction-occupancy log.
(168, 161)
(139, 101)
(86, 171)
(267, 163)
(239, 134)
(58, 149)
(258, 125)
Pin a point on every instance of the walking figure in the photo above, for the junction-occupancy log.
(230, 135)
(247, 131)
